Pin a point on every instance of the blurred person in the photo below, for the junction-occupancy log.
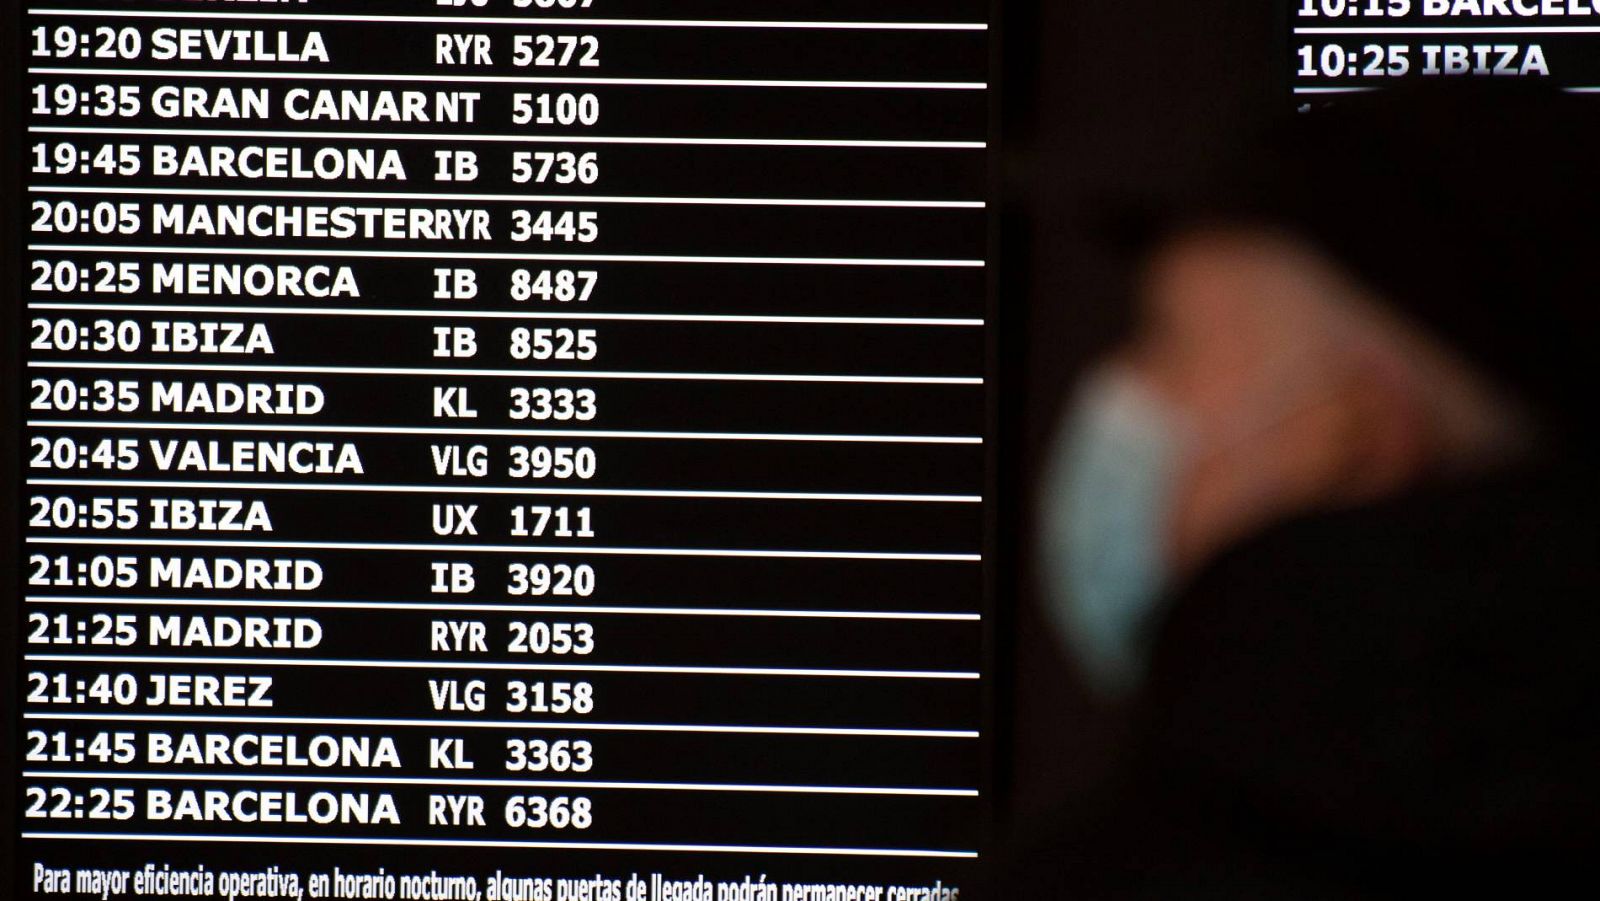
(1325, 525)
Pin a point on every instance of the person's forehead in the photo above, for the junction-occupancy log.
(1225, 271)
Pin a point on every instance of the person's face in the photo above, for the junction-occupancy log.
(1235, 325)
(1286, 377)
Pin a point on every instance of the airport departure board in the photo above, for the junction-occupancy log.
(502, 449)
(1352, 46)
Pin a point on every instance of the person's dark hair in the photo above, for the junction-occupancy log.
(1474, 209)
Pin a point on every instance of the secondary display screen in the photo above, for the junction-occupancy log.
(502, 449)
(1347, 46)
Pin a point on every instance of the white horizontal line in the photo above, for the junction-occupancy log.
(1452, 30)
(531, 21)
(531, 492)
(484, 843)
(554, 725)
(517, 79)
(512, 549)
(117, 775)
(519, 373)
(497, 433)
(513, 608)
(519, 666)
(532, 257)
(524, 198)
(507, 139)
(507, 314)
(1362, 90)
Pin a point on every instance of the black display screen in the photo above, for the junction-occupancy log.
(1353, 46)
(502, 449)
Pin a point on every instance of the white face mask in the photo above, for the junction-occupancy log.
(1105, 520)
